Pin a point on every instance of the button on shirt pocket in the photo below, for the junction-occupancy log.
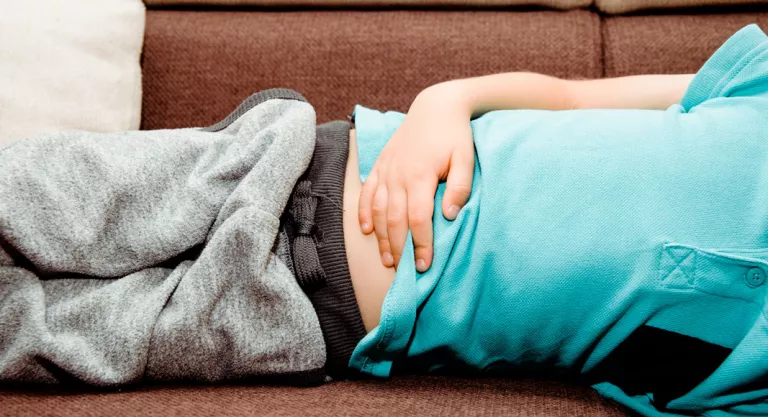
(732, 273)
(755, 277)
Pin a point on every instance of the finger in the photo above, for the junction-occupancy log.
(397, 221)
(379, 210)
(459, 183)
(421, 207)
(365, 202)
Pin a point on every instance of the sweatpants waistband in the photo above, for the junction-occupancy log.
(313, 223)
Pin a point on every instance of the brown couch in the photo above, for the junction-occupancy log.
(201, 61)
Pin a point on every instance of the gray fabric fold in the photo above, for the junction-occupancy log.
(148, 255)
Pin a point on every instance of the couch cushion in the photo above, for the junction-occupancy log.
(438, 396)
(558, 4)
(625, 6)
(69, 65)
(675, 44)
(199, 65)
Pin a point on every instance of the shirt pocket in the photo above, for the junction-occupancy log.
(714, 299)
(726, 272)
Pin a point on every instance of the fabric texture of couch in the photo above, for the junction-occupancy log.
(201, 61)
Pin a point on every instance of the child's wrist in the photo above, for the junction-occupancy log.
(453, 94)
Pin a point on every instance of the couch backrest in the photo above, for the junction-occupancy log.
(199, 64)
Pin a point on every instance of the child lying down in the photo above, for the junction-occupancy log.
(621, 241)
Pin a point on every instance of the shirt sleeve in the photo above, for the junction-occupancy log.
(738, 68)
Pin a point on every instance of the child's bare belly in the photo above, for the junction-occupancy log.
(370, 279)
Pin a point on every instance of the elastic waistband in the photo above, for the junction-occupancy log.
(315, 231)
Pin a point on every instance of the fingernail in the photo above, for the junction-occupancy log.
(364, 226)
(386, 257)
(421, 265)
(453, 211)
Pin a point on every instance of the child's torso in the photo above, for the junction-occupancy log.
(583, 227)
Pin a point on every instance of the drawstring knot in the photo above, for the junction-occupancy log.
(309, 272)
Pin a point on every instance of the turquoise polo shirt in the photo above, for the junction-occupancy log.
(626, 248)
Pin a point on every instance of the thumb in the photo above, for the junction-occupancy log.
(459, 183)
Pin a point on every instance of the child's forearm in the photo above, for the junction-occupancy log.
(524, 90)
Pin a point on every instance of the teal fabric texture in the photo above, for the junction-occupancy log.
(585, 225)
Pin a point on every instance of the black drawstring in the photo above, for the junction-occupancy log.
(309, 272)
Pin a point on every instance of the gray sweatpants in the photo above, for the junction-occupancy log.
(148, 255)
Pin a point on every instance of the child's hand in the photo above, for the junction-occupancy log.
(433, 143)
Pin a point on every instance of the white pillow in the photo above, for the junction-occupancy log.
(69, 64)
